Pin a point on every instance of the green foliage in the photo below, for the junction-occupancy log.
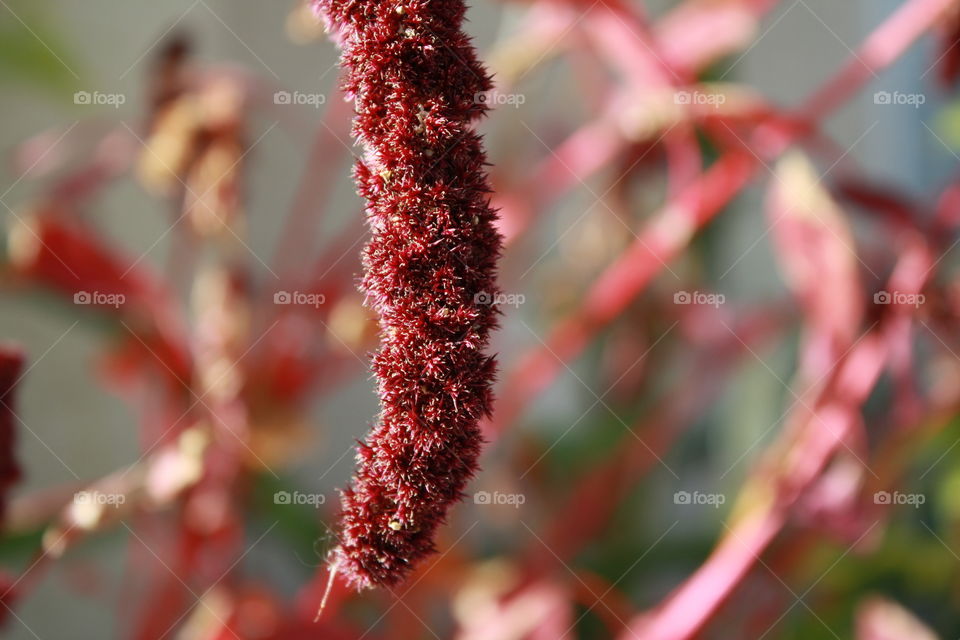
(31, 52)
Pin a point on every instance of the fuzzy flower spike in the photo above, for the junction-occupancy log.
(429, 272)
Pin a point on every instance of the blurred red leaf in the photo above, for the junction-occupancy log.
(11, 362)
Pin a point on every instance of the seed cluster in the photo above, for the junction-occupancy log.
(429, 273)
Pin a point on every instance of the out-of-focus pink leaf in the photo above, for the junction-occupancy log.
(696, 34)
(816, 252)
(622, 37)
(882, 619)
(541, 611)
(69, 259)
(948, 206)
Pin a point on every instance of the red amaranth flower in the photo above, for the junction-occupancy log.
(429, 272)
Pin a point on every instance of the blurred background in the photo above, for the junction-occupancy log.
(616, 463)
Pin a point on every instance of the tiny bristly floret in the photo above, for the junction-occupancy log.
(429, 271)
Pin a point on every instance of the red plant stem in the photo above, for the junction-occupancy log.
(676, 223)
(596, 494)
(621, 282)
(692, 605)
(69, 259)
(594, 145)
(890, 462)
(881, 49)
(585, 152)
(622, 38)
(624, 41)
(11, 365)
(725, 568)
(688, 609)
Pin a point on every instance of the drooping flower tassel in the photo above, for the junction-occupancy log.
(429, 272)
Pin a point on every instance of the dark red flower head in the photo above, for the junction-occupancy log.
(429, 272)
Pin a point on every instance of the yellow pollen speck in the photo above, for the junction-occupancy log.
(395, 525)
